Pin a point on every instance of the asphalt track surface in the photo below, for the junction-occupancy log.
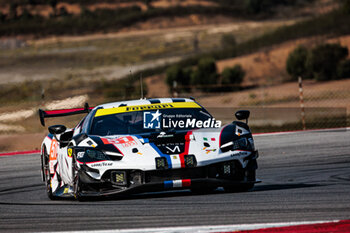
(306, 177)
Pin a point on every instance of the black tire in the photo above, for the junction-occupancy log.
(242, 187)
(77, 185)
(78, 189)
(45, 166)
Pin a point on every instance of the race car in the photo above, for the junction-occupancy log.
(146, 145)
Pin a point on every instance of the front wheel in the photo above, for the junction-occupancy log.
(78, 188)
(77, 183)
(250, 176)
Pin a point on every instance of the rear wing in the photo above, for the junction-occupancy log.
(62, 112)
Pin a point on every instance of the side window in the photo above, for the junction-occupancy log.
(77, 129)
(85, 127)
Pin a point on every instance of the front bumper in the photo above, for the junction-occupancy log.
(221, 174)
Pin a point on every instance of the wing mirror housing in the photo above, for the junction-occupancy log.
(57, 129)
(242, 115)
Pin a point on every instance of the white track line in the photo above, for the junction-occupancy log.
(202, 229)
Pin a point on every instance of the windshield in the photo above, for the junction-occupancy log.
(137, 122)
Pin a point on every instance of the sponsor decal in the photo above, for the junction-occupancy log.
(211, 139)
(53, 149)
(125, 141)
(209, 150)
(155, 120)
(147, 107)
(103, 164)
(151, 120)
(191, 123)
(164, 135)
(174, 149)
(80, 154)
(240, 153)
(177, 183)
(70, 152)
(53, 155)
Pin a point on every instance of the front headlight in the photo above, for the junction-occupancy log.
(251, 142)
(240, 144)
(96, 155)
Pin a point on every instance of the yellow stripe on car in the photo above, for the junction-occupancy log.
(148, 107)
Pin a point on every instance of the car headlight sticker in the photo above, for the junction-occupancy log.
(96, 155)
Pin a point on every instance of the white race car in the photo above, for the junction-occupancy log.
(146, 145)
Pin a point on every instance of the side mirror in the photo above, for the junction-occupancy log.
(57, 129)
(242, 115)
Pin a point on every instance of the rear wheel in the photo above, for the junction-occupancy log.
(45, 166)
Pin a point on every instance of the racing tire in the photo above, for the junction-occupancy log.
(242, 187)
(78, 189)
(45, 160)
(77, 184)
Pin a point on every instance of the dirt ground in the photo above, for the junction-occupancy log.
(21, 142)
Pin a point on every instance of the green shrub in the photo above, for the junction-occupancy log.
(324, 59)
(2, 17)
(175, 73)
(206, 72)
(346, 6)
(62, 11)
(253, 6)
(343, 70)
(13, 10)
(296, 63)
(232, 77)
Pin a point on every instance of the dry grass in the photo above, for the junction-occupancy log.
(269, 66)
(15, 142)
(316, 94)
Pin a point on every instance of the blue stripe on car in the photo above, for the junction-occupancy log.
(168, 184)
(168, 158)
